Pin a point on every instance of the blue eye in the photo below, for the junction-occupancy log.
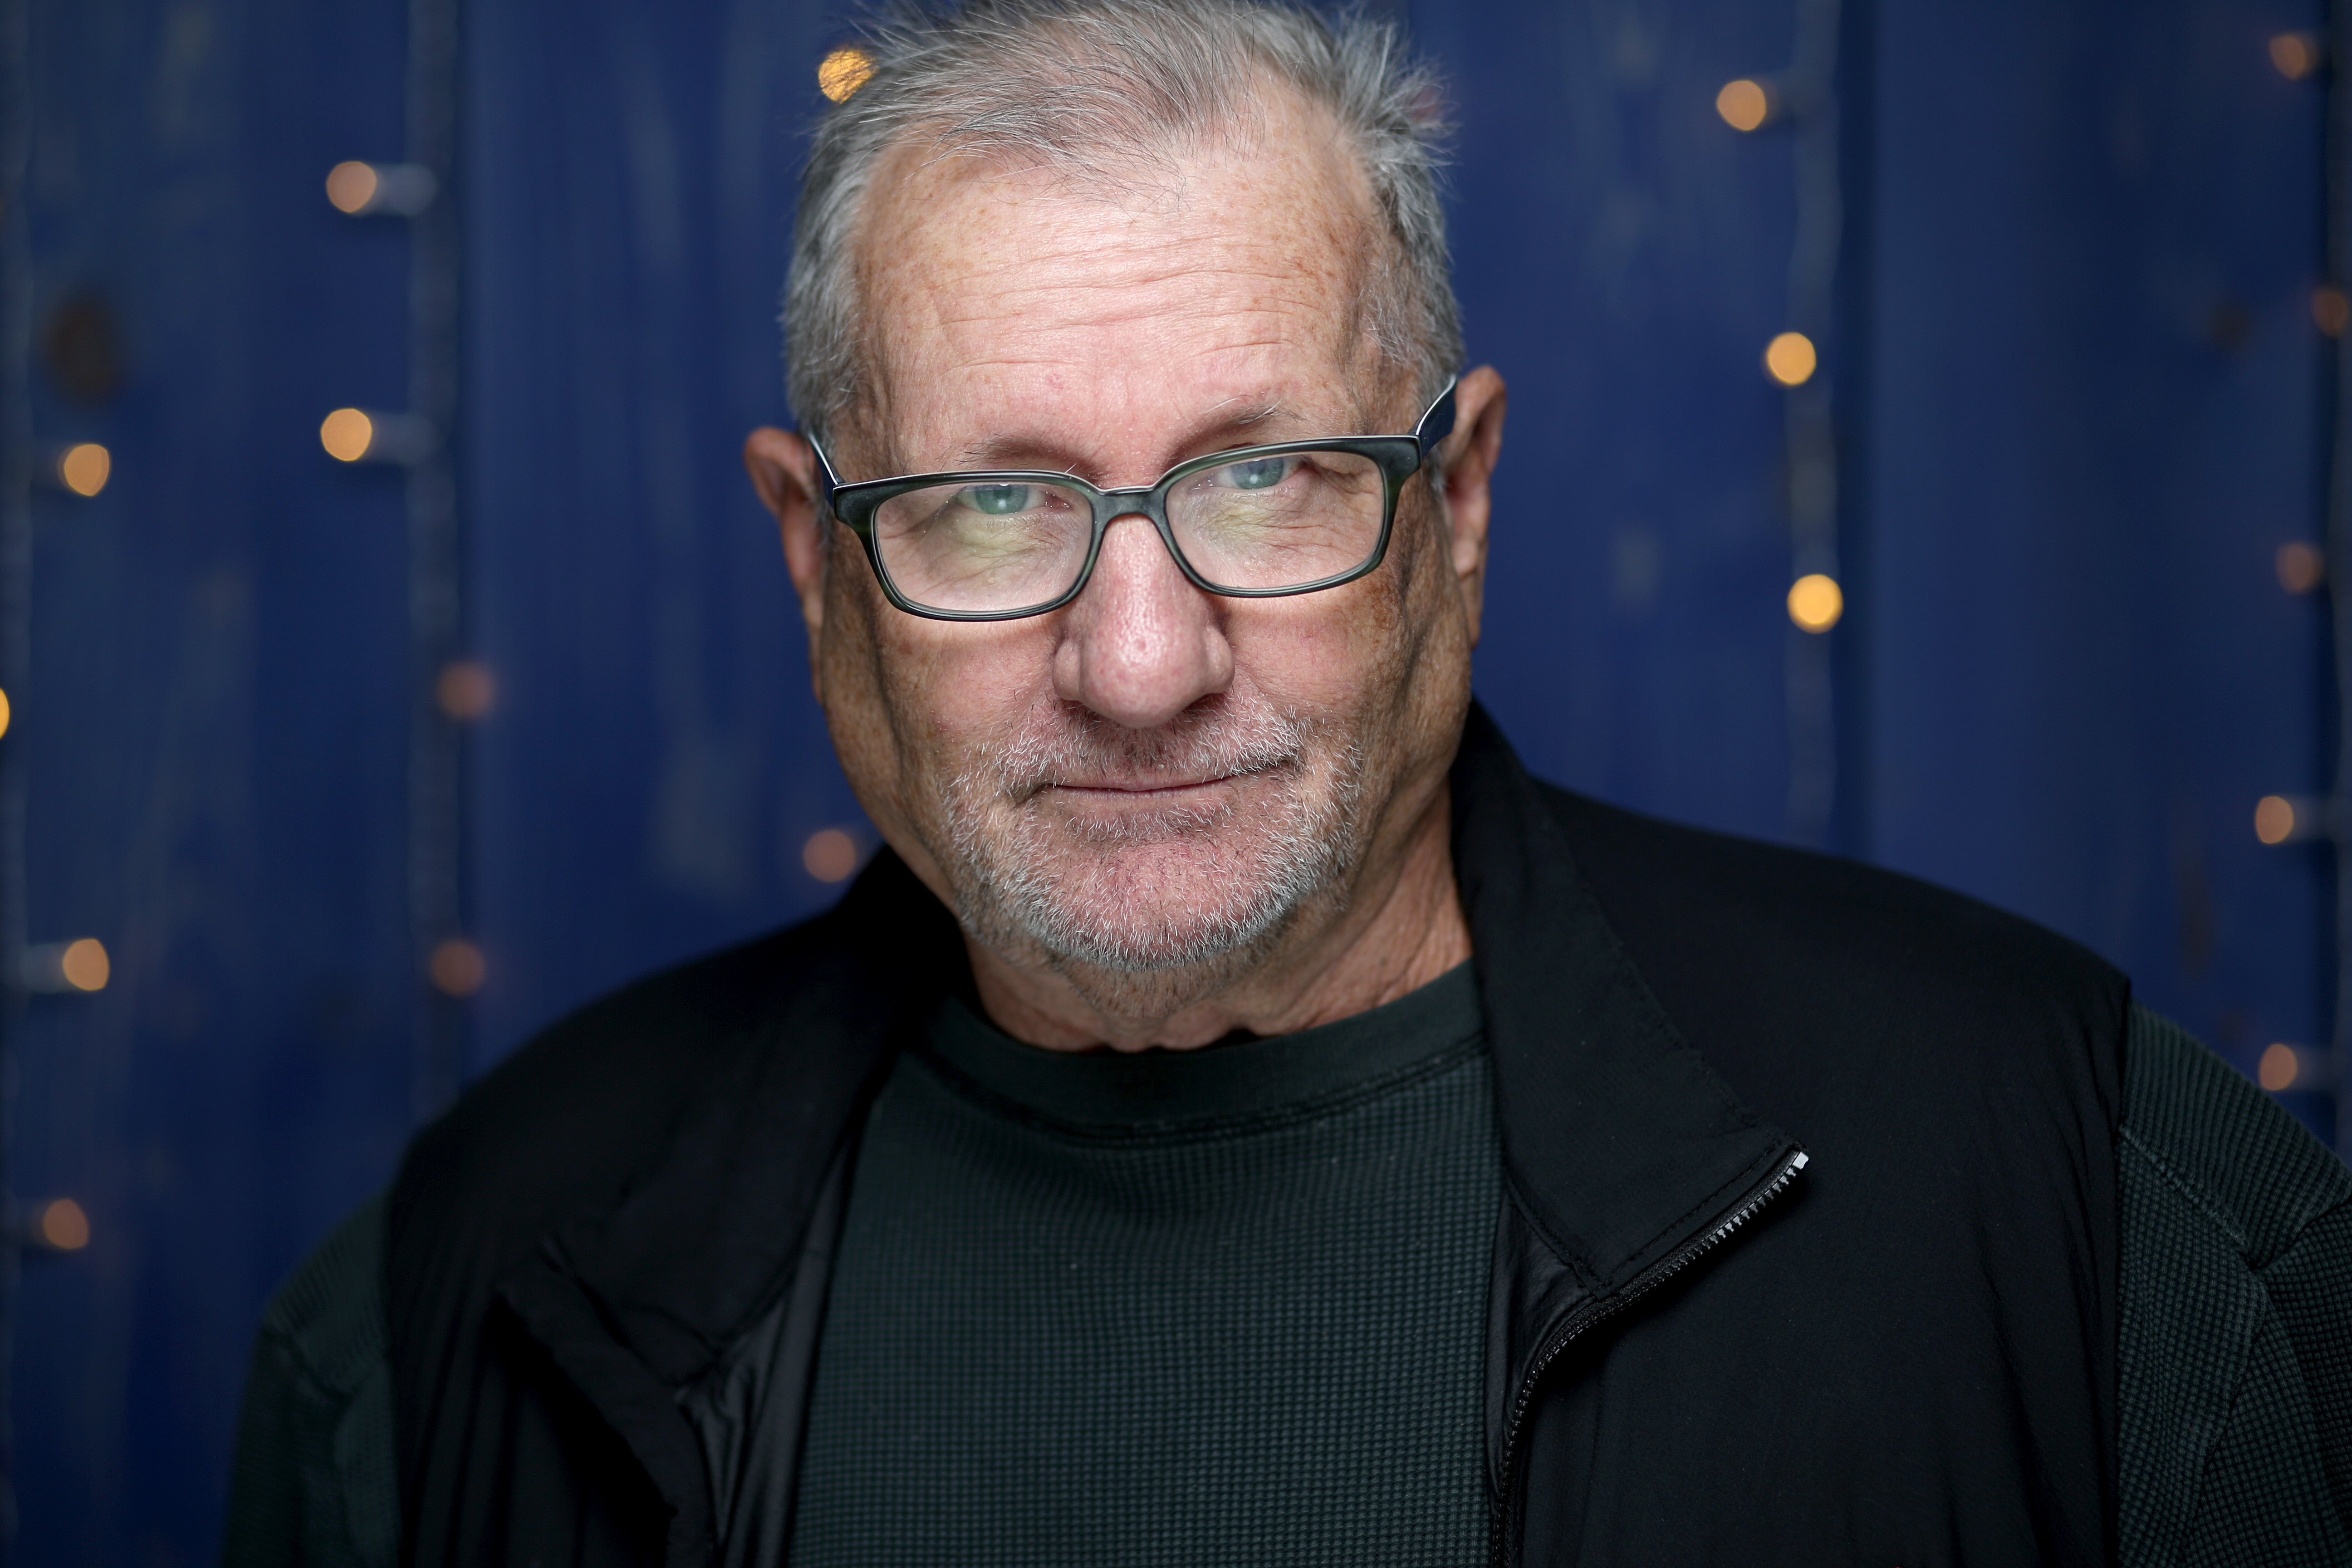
(1257, 474)
(998, 500)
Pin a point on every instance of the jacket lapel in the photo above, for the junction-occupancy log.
(1622, 1147)
(637, 1302)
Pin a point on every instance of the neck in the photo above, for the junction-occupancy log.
(1401, 928)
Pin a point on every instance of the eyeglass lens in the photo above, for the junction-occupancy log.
(1268, 522)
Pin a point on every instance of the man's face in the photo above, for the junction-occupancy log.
(1151, 791)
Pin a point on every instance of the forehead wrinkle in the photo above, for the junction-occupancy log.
(945, 274)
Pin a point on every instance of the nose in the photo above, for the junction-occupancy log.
(1142, 644)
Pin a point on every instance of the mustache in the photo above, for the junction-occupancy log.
(1216, 739)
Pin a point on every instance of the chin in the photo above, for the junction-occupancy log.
(1185, 902)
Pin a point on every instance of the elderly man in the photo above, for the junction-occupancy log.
(1243, 1117)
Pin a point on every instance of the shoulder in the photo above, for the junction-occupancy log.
(314, 1478)
(581, 1105)
(581, 1111)
(2249, 1170)
(2236, 1392)
(1748, 940)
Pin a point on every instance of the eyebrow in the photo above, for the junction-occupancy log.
(1247, 420)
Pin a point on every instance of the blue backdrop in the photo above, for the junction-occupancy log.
(2059, 256)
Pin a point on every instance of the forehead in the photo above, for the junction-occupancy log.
(1230, 268)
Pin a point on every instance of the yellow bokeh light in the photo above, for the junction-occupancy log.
(84, 965)
(346, 434)
(1790, 359)
(351, 185)
(2296, 55)
(1815, 602)
(84, 468)
(465, 692)
(2300, 566)
(2280, 1068)
(830, 855)
(6, 713)
(1744, 104)
(63, 1224)
(458, 968)
(842, 73)
(2330, 311)
(2274, 819)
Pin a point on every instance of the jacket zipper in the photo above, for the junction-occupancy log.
(1507, 1526)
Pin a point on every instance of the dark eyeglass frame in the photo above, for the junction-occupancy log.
(1399, 458)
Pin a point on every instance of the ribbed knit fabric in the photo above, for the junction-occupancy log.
(1218, 1307)
(2236, 1354)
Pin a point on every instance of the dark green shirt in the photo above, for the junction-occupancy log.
(1224, 1306)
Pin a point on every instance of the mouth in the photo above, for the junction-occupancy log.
(1137, 790)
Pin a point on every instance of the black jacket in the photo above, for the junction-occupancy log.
(1832, 1233)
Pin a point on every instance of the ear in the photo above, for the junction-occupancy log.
(1479, 403)
(783, 471)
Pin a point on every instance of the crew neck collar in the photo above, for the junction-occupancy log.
(1246, 1079)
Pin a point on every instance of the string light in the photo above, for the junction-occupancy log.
(2281, 1064)
(84, 965)
(2274, 819)
(351, 185)
(842, 73)
(6, 713)
(830, 855)
(1790, 359)
(63, 1225)
(404, 190)
(84, 468)
(2296, 55)
(1744, 104)
(465, 691)
(1815, 602)
(2300, 566)
(346, 434)
(2330, 311)
(457, 968)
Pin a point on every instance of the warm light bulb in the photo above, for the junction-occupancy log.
(830, 855)
(84, 965)
(2274, 819)
(2330, 311)
(63, 1224)
(465, 692)
(351, 186)
(1790, 359)
(1815, 602)
(346, 434)
(2296, 55)
(84, 468)
(458, 968)
(842, 73)
(2279, 1069)
(1744, 104)
(2300, 566)
(6, 713)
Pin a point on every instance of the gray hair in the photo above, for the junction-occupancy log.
(1067, 84)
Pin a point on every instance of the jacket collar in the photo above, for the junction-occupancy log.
(1622, 1150)
(636, 1303)
(1616, 1132)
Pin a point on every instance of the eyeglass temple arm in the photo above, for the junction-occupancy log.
(833, 480)
(1435, 425)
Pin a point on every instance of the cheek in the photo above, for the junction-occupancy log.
(1324, 655)
(934, 695)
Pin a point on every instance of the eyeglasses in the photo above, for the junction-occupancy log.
(1257, 522)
